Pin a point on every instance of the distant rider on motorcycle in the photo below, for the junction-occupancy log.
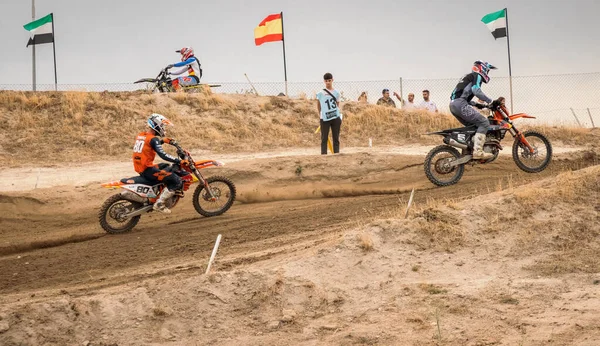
(190, 64)
(147, 145)
(461, 105)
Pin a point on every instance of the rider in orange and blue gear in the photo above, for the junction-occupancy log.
(147, 145)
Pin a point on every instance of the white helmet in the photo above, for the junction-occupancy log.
(158, 123)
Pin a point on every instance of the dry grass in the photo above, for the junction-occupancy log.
(48, 127)
(365, 241)
(438, 230)
(560, 220)
(432, 289)
(566, 134)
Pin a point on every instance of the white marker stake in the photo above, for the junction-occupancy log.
(214, 253)
(410, 200)
(370, 142)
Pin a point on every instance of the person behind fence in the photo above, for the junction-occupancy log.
(147, 145)
(461, 104)
(406, 104)
(427, 104)
(329, 112)
(190, 64)
(386, 100)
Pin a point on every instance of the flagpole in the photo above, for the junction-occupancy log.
(284, 63)
(509, 65)
(54, 51)
(33, 49)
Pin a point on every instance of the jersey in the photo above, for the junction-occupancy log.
(329, 107)
(468, 87)
(429, 106)
(191, 66)
(145, 149)
(389, 102)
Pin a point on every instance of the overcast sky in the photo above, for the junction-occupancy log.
(103, 41)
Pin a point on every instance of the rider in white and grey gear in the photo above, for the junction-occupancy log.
(461, 105)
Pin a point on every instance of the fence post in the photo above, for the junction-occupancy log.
(575, 115)
(591, 119)
(401, 93)
(252, 85)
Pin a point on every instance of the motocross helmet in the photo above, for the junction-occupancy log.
(186, 53)
(482, 68)
(158, 123)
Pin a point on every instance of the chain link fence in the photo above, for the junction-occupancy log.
(572, 99)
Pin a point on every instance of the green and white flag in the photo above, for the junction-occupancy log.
(496, 22)
(41, 30)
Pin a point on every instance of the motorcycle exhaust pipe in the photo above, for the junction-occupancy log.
(138, 212)
(130, 196)
(453, 143)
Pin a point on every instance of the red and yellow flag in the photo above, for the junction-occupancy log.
(269, 30)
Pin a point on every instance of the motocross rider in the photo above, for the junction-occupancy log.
(190, 64)
(461, 105)
(147, 145)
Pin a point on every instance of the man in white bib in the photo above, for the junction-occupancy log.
(328, 105)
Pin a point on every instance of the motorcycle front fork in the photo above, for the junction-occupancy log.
(204, 182)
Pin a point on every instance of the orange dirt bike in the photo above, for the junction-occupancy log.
(445, 165)
(213, 196)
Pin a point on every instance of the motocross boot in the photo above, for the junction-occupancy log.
(478, 153)
(160, 203)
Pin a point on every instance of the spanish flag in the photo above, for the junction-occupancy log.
(269, 30)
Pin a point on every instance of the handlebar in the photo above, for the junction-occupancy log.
(184, 155)
(491, 106)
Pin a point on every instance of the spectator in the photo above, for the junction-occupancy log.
(363, 97)
(407, 105)
(386, 100)
(426, 104)
(328, 106)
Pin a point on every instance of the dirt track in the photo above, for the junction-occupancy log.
(51, 238)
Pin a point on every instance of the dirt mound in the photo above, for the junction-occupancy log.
(63, 127)
(516, 266)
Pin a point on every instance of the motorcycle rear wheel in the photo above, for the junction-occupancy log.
(224, 192)
(112, 210)
(436, 163)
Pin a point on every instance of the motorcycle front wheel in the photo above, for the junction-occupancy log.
(223, 196)
(536, 161)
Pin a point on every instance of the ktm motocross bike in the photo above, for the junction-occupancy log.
(445, 165)
(164, 84)
(213, 196)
